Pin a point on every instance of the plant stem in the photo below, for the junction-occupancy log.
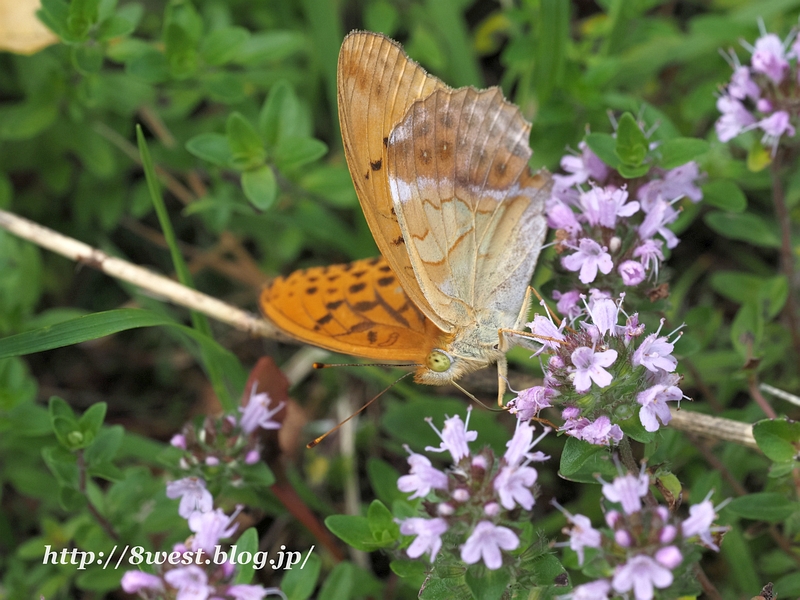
(786, 254)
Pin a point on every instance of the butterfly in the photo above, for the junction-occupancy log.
(443, 179)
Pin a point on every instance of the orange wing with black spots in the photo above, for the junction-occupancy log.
(358, 308)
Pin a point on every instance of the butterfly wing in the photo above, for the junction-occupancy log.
(357, 308)
(471, 212)
(377, 83)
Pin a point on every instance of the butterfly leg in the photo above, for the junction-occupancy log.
(504, 335)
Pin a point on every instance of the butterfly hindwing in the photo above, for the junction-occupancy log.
(471, 212)
(357, 308)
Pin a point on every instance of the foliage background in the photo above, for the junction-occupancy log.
(68, 160)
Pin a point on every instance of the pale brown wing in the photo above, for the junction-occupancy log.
(357, 308)
(471, 212)
(377, 83)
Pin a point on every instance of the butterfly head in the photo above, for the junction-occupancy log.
(442, 367)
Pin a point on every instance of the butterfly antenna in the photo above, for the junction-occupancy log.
(319, 365)
(316, 441)
(474, 399)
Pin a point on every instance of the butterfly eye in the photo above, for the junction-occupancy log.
(438, 361)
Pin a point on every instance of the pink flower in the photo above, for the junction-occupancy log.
(581, 168)
(605, 314)
(549, 335)
(641, 574)
(136, 581)
(250, 592)
(654, 405)
(769, 57)
(774, 127)
(567, 302)
(178, 441)
(513, 486)
(701, 516)
(454, 436)
(485, 542)
(429, 536)
(628, 490)
(632, 272)
(649, 254)
(582, 535)
(191, 583)
(193, 494)
(252, 457)
(602, 206)
(589, 366)
(210, 527)
(589, 258)
(595, 590)
(601, 432)
(658, 217)
(676, 183)
(735, 117)
(258, 414)
(742, 86)
(422, 478)
(561, 216)
(655, 353)
(529, 402)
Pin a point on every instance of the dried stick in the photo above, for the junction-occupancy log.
(702, 425)
(142, 278)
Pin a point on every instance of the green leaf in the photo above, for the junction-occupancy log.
(747, 330)
(82, 15)
(150, 66)
(257, 475)
(765, 506)
(86, 59)
(100, 324)
(383, 479)
(25, 120)
(631, 147)
(291, 153)
(62, 464)
(679, 151)
(340, 583)
(725, 195)
(354, 531)
(485, 584)
(212, 147)
(221, 45)
(381, 523)
(54, 14)
(92, 420)
(70, 499)
(412, 570)
(116, 26)
(744, 227)
(299, 584)
(224, 87)
(58, 408)
(247, 542)
(629, 172)
(779, 439)
(260, 187)
(604, 146)
(245, 143)
(105, 470)
(580, 461)
(180, 51)
(105, 445)
(553, 41)
(270, 46)
(280, 114)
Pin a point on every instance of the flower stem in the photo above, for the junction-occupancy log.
(786, 254)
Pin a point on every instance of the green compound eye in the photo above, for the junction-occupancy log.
(438, 361)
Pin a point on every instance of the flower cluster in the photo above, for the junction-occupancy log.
(643, 545)
(610, 240)
(472, 500)
(191, 573)
(218, 448)
(763, 94)
(222, 445)
(601, 372)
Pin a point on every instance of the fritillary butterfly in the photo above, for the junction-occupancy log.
(443, 179)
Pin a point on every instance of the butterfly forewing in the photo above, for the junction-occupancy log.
(469, 208)
(377, 83)
(358, 308)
